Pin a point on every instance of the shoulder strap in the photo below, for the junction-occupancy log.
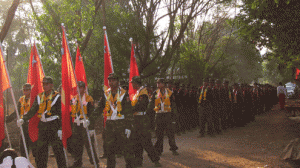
(38, 99)
(54, 101)
(22, 99)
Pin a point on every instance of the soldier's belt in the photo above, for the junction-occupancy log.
(140, 113)
(49, 118)
(158, 112)
(116, 118)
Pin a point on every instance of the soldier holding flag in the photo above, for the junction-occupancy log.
(23, 108)
(79, 135)
(48, 106)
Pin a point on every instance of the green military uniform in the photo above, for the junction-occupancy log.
(79, 135)
(216, 103)
(23, 108)
(164, 105)
(49, 109)
(205, 109)
(119, 119)
(141, 132)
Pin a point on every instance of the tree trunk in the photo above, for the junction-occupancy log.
(10, 16)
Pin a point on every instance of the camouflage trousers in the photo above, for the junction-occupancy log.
(116, 137)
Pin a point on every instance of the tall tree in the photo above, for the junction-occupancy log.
(272, 24)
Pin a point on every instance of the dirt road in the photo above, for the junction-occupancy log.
(258, 144)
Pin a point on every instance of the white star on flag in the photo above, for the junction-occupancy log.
(33, 61)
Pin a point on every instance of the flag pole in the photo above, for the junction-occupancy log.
(86, 89)
(7, 134)
(16, 109)
(39, 57)
(81, 105)
(104, 28)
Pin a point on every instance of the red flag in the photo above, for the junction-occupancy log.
(108, 67)
(4, 84)
(79, 68)
(69, 86)
(297, 72)
(35, 78)
(134, 71)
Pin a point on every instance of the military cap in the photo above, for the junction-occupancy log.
(27, 86)
(81, 84)
(113, 76)
(47, 79)
(136, 79)
(160, 80)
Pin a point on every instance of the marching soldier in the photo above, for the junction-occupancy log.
(226, 99)
(23, 108)
(194, 118)
(216, 103)
(141, 132)
(163, 103)
(117, 107)
(181, 103)
(151, 115)
(255, 99)
(205, 109)
(79, 134)
(48, 107)
(237, 105)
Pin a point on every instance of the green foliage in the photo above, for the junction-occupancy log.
(273, 24)
(220, 54)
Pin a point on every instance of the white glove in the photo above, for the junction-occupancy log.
(20, 122)
(92, 132)
(174, 122)
(59, 133)
(86, 123)
(128, 132)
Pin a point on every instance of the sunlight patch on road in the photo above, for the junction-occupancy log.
(235, 161)
(175, 164)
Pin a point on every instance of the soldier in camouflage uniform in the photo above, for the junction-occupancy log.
(117, 107)
(163, 103)
(141, 132)
(79, 134)
(48, 107)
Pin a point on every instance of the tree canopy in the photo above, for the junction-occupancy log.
(273, 24)
(179, 39)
